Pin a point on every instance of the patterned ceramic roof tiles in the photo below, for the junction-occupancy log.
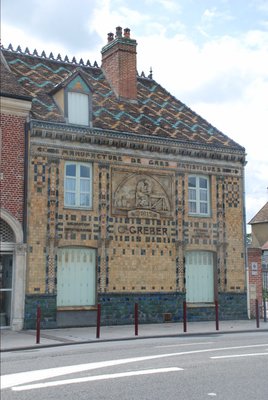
(9, 85)
(156, 111)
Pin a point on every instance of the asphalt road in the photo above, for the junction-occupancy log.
(229, 367)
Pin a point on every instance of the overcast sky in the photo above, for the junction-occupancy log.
(210, 54)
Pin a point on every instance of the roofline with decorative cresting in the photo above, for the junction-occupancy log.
(61, 59)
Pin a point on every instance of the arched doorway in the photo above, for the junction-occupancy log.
(12, 272)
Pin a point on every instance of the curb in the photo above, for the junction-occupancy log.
(94, 341)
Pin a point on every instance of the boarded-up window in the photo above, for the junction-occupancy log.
(76, 277)
(78, 108)
(199, 277)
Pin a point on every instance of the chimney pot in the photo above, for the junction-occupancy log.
(110, 37)
(119, 32)
(127, 33)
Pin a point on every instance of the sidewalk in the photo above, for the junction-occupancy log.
(23, 340)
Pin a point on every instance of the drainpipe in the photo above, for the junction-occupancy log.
(245, 241)
(248, 296)
(25, 195)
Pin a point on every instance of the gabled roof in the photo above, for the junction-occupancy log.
(265, 246)
(78, 72)
(155, 113)
(261, 216)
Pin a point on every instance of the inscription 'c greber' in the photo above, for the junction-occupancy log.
(142, 230)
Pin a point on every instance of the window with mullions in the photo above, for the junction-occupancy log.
(78, 185)
(198, 195)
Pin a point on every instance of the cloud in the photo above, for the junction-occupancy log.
(256, 188)
(213, 13)
(262, 5)
(169, 5)
(62, 21)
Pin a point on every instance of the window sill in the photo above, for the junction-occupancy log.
(77, 308)
(79, 208)
(200, 215)
(200, 305)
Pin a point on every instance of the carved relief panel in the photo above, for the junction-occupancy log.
(142, 194)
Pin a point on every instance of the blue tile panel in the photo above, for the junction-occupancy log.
(118, 309)
(47, 304)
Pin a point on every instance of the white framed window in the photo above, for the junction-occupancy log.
(78, 185)
(78, 108)
(199, 195)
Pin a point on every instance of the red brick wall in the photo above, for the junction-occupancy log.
(255, 278)
(119, 65)
(12, 164)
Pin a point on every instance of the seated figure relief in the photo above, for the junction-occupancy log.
(141, 192)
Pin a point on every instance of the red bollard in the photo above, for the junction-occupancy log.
(184, 316)
(38, 322)
(257, 314)
(264, 310)
(136, 318)
(98, 321)
(217, 314)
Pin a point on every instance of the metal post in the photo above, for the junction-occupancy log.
(136, 318)
(38, 323)
(98, 321)
(264, 310)
(217, 314)
(184, 316)
(257, 314)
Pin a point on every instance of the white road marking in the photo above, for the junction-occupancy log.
(182, 344)
(96, 378)
(20, 378)
(212, 394)
(240, 355)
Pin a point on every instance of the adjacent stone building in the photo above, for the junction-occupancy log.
(258, 262)
(132, 196)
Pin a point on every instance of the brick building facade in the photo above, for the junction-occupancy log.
(132, 197)
(15, 106)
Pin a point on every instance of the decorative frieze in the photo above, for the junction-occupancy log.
(116, 139)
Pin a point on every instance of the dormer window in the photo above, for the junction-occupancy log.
(74, 98)
(78, 107)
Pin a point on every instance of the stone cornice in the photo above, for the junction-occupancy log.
(95, 136)
(15, 106)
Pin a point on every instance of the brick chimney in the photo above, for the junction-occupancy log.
(119, 64)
